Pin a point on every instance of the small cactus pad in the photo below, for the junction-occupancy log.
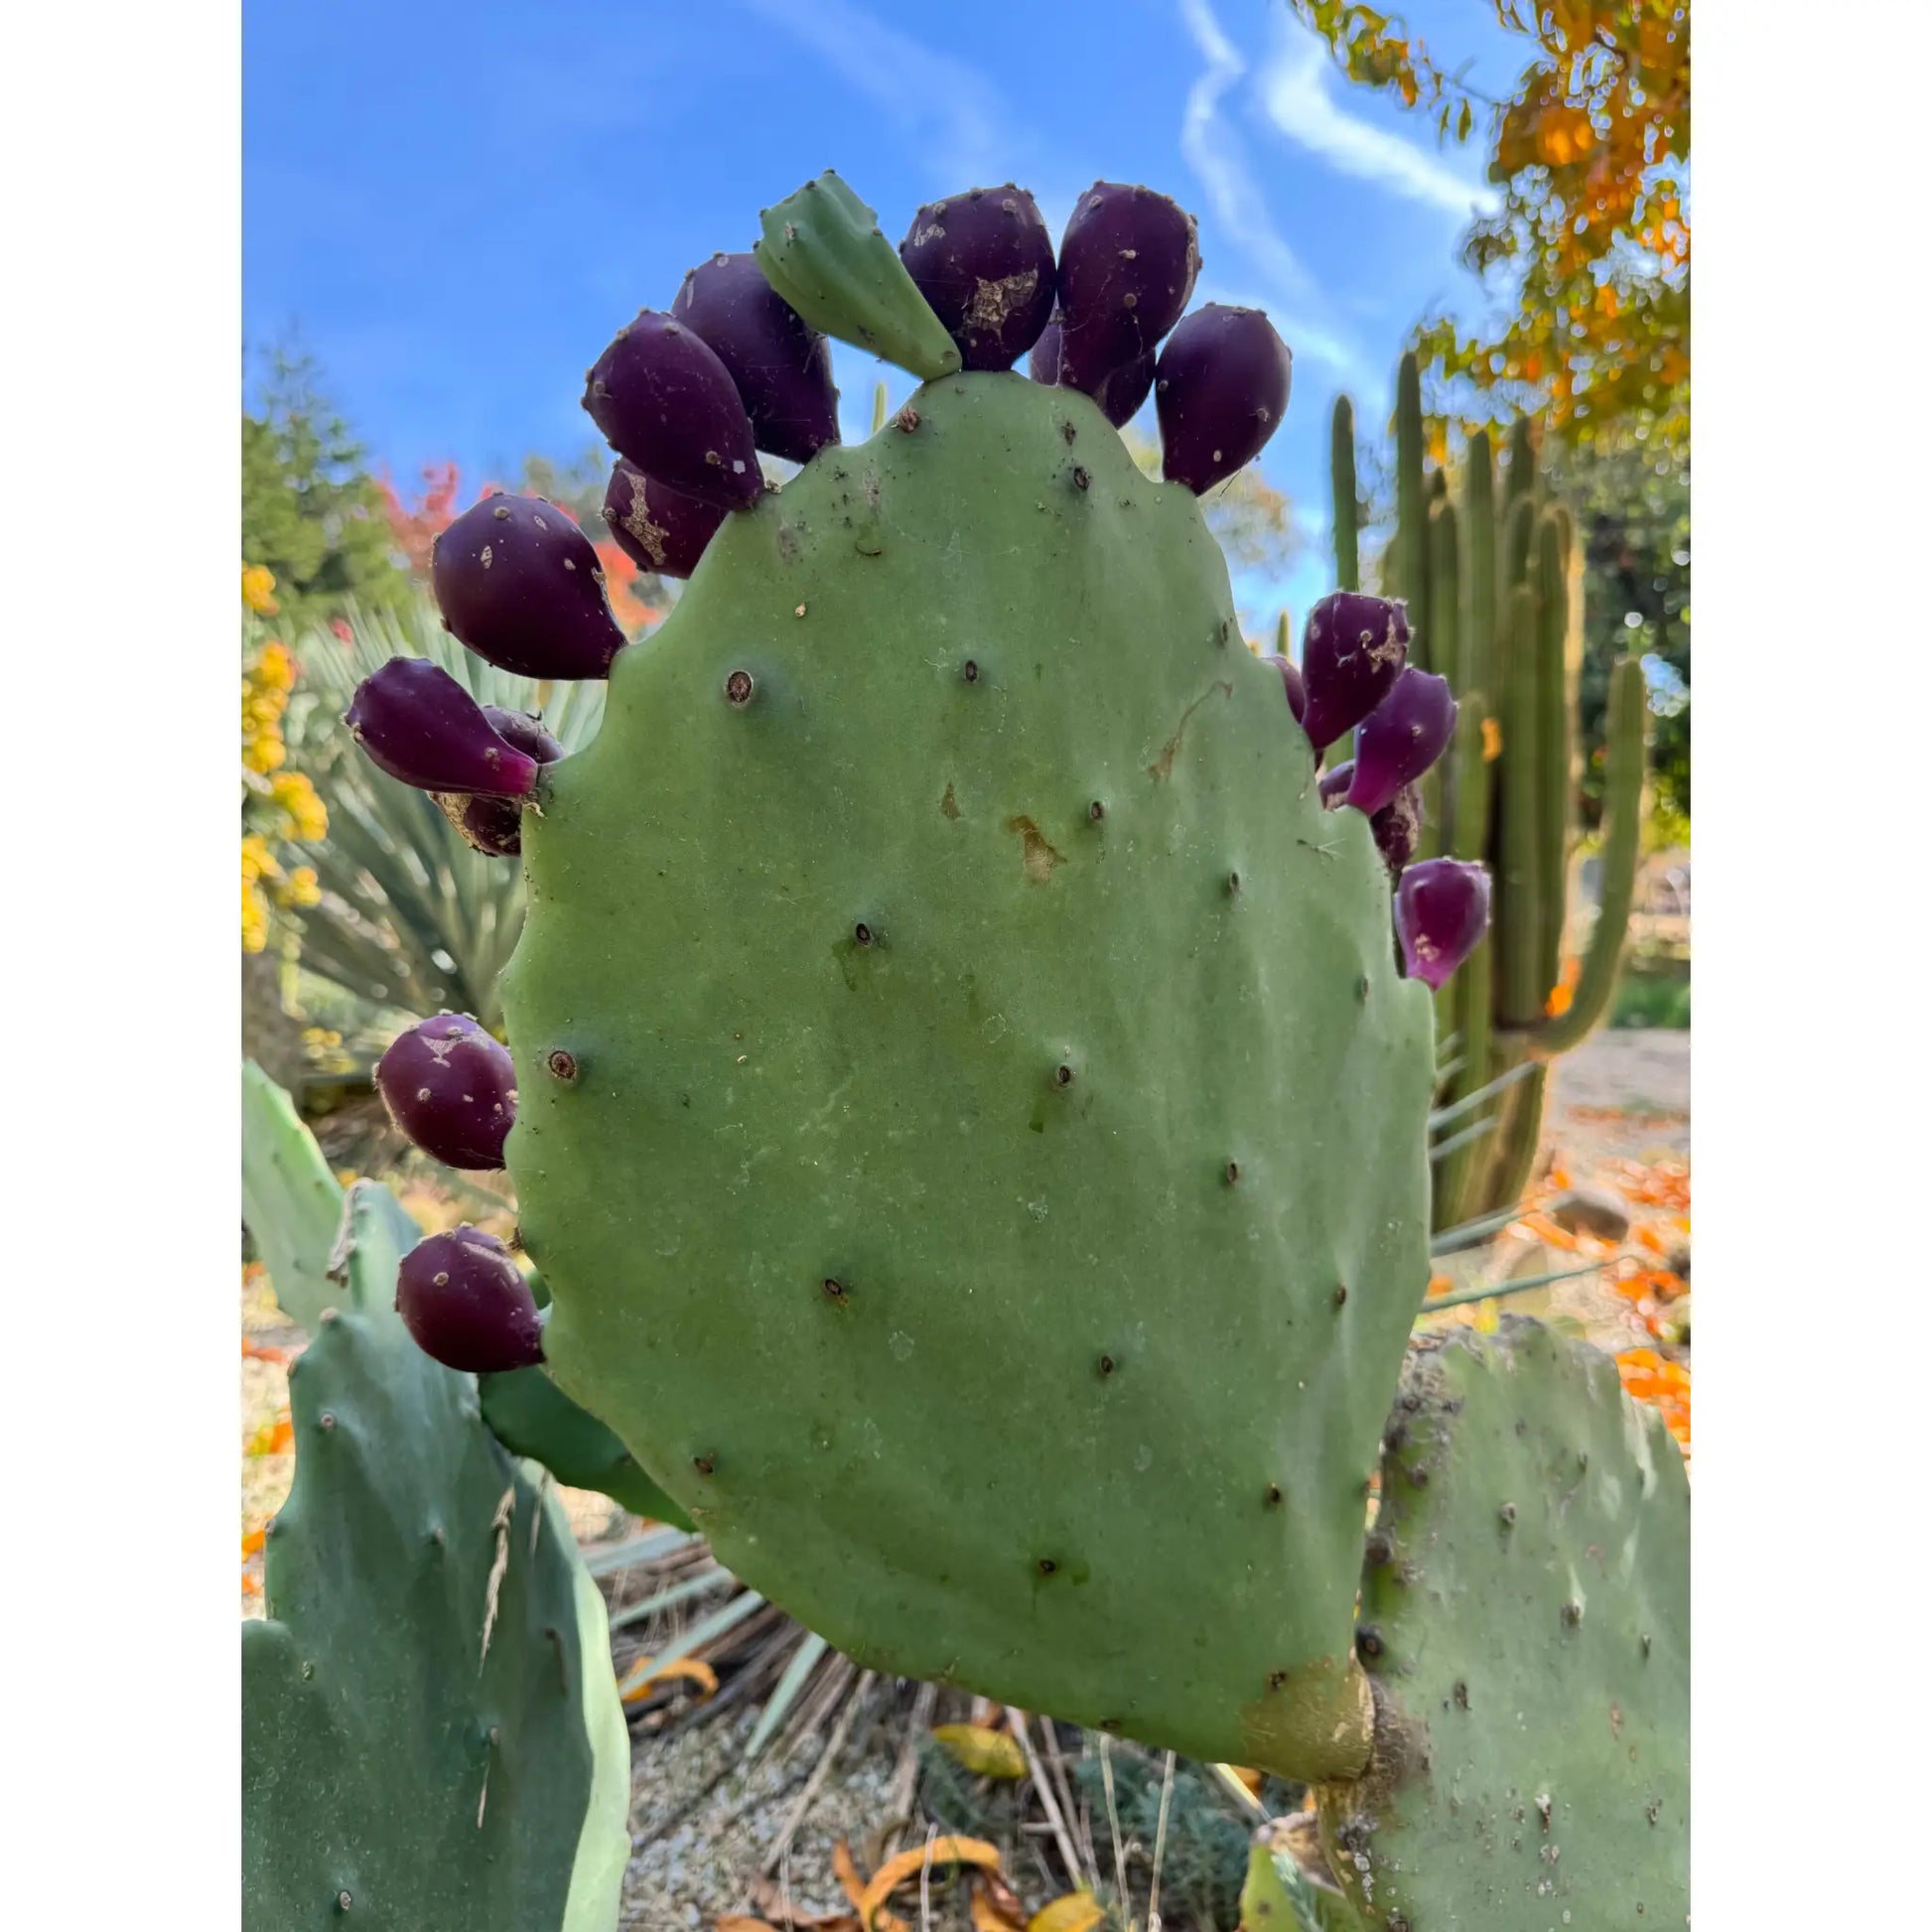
(920, 968)
(431, 1732)
(1525, 1621)
(824, 253)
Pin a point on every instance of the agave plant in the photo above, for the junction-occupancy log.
(410, 917)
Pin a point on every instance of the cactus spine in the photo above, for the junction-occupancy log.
(1493, 582)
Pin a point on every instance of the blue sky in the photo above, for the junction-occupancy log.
(454, 205)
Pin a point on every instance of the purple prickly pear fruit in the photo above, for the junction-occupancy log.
(1332, 787)
(1298, 694)
(1400, 739)
(523, 730)
(519, 582)
(984, 262)
(467, 1303)
(659, 528)
(419, 725)
(495, 826)
(1044, 364)
(1220, 390)
(1123, 392)
(1396, 829)
(1118, 396)
(452, 1088)
(492, 826)
(663, 398)
(1128, 262)
(782, 365)
(1442, 909)
(1352, 652)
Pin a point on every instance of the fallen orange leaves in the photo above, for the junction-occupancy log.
(1664, 1384)
(945, 1849)
(254, 1351)
(981, 1750)
(271, 1438)
(1075, 1911)
(644, 1678)
(251, 1543)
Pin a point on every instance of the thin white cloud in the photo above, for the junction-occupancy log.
(1214, 151)
(945, 109)
(1294, 90)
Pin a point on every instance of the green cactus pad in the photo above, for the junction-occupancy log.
(431, 1732)
(970, 1122)
(530, 1415)
(823, 251)
(1526, 1625)
(290, 1200)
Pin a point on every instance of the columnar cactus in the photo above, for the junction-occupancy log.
(949, 1004)
(1492, 590)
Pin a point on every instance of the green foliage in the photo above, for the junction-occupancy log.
(411, 920)
(1633, 514)
(818, 960)
(310, 510)
(1526, 1620)
(431, 1732)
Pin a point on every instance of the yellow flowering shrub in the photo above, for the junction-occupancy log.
(277, 804)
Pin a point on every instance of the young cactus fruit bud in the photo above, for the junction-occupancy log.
(419, 725)
(663, 398)
(1298, 692)
(1220, 390)
(1352, 652)
(451, 1087)
(1128, 262)
(518, 582)
(782, 367)
(985, 262)
(1400, 739)
(659, 528)
(467, 1303)
(1442, 909)
(495, 826)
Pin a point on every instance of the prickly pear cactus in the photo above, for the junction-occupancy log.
(1526, 1627)
(970, 1120)
(431, 1734)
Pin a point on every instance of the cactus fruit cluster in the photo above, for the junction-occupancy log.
(1492, 587)
(952, 1004)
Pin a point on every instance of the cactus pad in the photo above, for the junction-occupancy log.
(1526, 1625)
(431, 1732)
(971, 1126)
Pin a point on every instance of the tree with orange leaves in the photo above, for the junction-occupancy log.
(1591, 153)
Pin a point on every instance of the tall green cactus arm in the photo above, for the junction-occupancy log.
(1471, 990)
(1445, 623)
(1525, 1621)
(1556, 739)
(1341, 474)
(1411, 555)
(1519, 483)
(824, 253)
(927, 981)
(431, 1735)
(1475, 670)
(1519, 914)
(1628, 716)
